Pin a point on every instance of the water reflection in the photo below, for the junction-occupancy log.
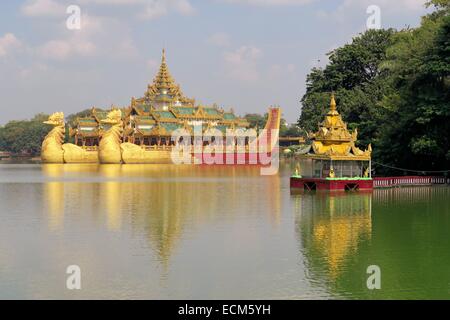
(54, 196)
(110, 195)
(150, 231)
(159, 202)
(404, 231)
(331, 227)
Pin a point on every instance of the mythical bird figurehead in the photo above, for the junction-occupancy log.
(56, 119)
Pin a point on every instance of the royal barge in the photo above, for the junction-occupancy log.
(143, 132)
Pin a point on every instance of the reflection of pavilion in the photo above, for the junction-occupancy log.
(331, 228)
(407, 236)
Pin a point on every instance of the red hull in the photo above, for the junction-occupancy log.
(330, 185)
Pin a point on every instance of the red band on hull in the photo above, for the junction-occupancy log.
(330, 185)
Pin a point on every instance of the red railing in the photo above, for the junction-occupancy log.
(387, 182)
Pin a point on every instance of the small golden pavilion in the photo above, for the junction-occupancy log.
(150, 120)
(332, 153)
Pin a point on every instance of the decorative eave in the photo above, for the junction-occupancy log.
(139, 132)
(176, 109)
(89, 134)
(243, 122)
(87, 121)
(227, 121)
(157, 116)
(168, 120)
(158, 131)
(144, 121)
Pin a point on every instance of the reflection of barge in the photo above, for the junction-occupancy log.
(332, 161)
(142, 132)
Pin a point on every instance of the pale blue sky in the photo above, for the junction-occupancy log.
(245, 54)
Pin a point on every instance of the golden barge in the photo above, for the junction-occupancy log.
(143, 131)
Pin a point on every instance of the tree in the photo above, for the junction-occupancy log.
(354, 73)
(24, 136)
(394, 86)
(256, 120)
(291, 130)
(419, 123)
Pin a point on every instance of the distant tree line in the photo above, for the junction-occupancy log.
(394, 86)
(24, 136)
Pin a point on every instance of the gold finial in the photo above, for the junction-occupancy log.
(331, 174)
(332, 103)
(163, 60)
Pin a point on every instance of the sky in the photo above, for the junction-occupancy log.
(241, 54)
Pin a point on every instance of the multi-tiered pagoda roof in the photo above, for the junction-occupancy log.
(333, 141)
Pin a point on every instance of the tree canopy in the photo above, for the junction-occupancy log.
(24, 136)
(394, 87)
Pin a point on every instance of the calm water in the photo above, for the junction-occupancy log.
(159, 231)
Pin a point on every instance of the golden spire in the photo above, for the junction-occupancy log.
(332, 103)
(163, 86)
(163, 79)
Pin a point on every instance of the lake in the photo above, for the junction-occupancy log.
(214, 232)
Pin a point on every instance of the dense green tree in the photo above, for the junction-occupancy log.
(24, 136)
(418, 126)
(354, 73)
(292, 130)
(394, 87)
(256, 120)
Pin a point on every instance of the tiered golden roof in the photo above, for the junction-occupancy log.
(334, 141)
(164, 88)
